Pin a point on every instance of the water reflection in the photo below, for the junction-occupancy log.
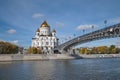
(82, 69)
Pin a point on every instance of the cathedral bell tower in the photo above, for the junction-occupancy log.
(37, 33)
(53, 32)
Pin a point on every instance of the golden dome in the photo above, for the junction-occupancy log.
(38, 30)
(54, 30)
(44, 24)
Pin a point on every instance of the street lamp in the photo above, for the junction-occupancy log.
(83, 31)
(74, 35)
(105, 22)
(92, 27)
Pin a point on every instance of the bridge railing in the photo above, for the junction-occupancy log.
(108, 32)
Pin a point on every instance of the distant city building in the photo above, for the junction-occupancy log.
(45, 39)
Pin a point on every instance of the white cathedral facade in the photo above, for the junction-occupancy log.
(45, 38)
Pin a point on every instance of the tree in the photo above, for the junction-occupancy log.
(39, 51)
(84, 51)
(112, 46)
(93, 50)
(102, 49)
(111, 49)
(117, 50)
(8, 48)
(34, 50)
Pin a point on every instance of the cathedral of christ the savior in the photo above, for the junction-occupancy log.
(45, 39)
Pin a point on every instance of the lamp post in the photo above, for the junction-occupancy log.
(92, 27)
(74, 35)
(83, 31)
(105, 22)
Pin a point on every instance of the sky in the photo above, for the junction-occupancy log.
(19, 19)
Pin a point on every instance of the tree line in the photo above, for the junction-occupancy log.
(100, 50)
(8, 48)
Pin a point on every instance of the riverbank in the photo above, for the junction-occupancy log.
(22, 57)
(100, 55)
(16, 57)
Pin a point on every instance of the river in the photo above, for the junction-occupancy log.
(80, 69)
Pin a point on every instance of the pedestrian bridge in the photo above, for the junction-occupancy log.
(107, 32)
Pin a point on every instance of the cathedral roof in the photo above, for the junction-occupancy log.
(38, 30)
(44, 24)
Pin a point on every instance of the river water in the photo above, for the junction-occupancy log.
(81, 69)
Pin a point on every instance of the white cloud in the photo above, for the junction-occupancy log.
(37, 15)
(11, 31)
(15, 42)
(60, 24)
(86, 27)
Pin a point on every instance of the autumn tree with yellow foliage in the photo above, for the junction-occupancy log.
(8, 48)
(34, 50)
(100, 50)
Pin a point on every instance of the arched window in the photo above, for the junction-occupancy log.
(47, 43)
(41, 43)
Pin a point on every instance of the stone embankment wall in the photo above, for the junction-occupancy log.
(13, 57)
(99, 55)
(5, 57)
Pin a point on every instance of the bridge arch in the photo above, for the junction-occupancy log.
(108, 32)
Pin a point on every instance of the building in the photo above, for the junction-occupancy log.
(45, 38)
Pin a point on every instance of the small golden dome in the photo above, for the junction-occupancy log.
(44, 24)
(38, 30)
(54, 30)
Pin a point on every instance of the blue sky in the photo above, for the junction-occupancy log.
(19, 19)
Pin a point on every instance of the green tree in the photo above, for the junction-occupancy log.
(117, 50)
(111, 49)
(8, 48)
